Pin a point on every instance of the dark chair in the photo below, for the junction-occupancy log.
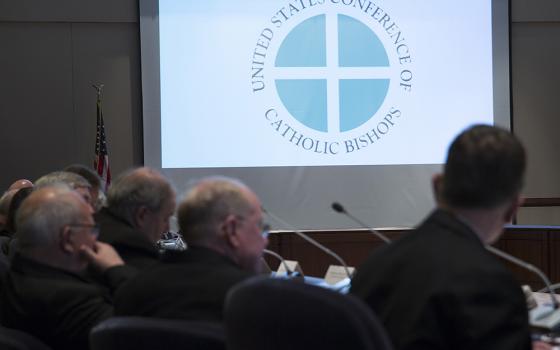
(13, 339)
(141, 333)
(270, 314)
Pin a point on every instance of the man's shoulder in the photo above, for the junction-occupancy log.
(53, 285)
(59, 308)
(185, 269)
(440, 250)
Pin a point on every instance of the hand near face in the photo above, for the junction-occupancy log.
(103, 256)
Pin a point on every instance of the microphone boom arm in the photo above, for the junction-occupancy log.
(312, 242)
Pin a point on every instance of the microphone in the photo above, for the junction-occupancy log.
(542, 316)
(282, 261)
(312, 242)
(171, 241)
(340, 209)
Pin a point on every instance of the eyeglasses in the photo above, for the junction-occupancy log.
(265, 230)
(263, 226)
(94, 228)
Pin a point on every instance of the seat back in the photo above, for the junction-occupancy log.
(263, 313)
(141, 333)
(13, 339)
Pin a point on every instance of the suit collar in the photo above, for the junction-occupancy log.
(455, 224)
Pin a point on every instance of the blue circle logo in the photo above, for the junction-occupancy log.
(332, 78)
(332, 85)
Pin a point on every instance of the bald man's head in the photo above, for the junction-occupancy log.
(46, 211)
(5, 201)
(224, 215)
(19, 184)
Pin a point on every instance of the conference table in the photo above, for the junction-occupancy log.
(538, 245)
(550, 337)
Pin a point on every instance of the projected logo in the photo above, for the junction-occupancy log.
(339, 73)
(311, 70)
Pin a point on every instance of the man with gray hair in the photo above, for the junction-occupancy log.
(93, 179)
(46, 291)
(221, 221)
(139, 205)
(72, 180)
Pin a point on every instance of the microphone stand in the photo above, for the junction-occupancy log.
(311, 241)
(281, 259)
(340, 209)
(541, 317)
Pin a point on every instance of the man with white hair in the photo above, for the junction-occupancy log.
(140, 203)
(46, 291)
(221, 221)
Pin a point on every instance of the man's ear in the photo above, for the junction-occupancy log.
(437, 187)
(140, 216)
(512, 208)
(65, 240)
(229, 229)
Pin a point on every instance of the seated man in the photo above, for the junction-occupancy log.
(438, 287)
(93, 179)
(221, 221)
(46, 292)
(139, 205)
(74, 181)
(5, 200)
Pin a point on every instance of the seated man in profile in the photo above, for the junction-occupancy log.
(46, 291)
(76, 182)
(95, 190)
(139, 205)
(221, 221)
(438, 287)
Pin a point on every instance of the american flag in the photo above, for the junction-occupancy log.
(101, 161)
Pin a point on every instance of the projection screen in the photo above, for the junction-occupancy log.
(314, 101)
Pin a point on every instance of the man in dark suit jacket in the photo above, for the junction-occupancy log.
(139, 205)
(438, 287)
(221, 221)
(46, 291)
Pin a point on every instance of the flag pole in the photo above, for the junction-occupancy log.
(99, 89)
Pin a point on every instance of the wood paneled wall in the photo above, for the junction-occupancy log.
(538, 245)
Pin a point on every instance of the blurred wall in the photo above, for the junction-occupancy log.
(51, 52)
(535, 50)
